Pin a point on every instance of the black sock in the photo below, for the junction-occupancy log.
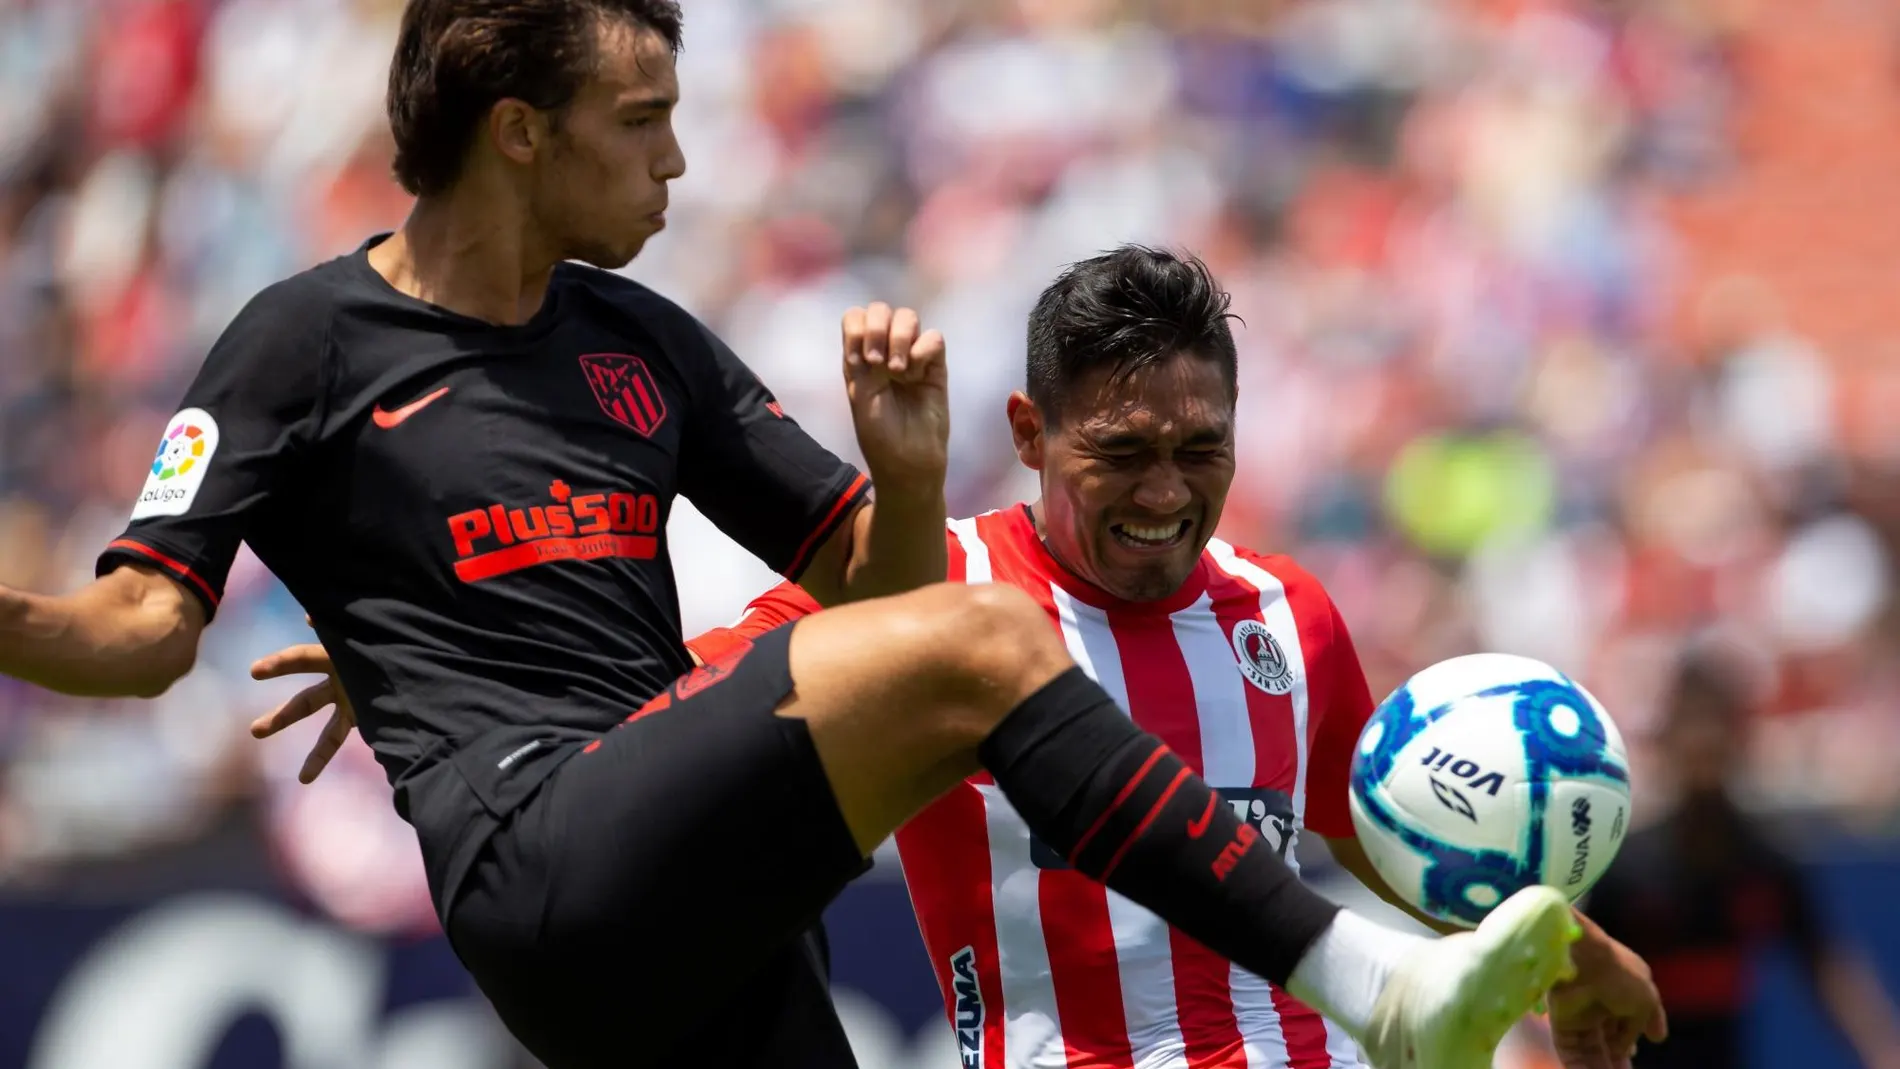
(1123, 809)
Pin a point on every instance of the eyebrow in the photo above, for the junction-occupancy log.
(1204, 437)
(652, 103)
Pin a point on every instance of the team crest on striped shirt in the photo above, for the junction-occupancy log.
(1261, 659)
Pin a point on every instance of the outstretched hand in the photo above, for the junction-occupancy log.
(898, 386)
(1596, 1018)
(307, 659)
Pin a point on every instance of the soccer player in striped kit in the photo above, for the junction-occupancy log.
(1129, 418)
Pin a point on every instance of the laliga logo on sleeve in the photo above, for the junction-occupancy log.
(178, 469)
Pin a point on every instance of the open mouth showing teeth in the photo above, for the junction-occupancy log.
(1147, 536)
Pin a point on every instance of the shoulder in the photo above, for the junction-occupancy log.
(1006, 531)
(658, 314)
(310, 297)
(1302, 588)
(287, 325)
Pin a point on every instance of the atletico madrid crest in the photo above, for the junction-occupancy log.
(626, 390)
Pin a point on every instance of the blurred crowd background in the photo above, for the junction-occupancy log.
(1571, 328)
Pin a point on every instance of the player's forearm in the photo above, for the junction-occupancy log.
(1852, 996)
(899, 545)
(119, 639)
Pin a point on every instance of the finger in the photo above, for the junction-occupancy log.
(853, 328)
(1581, 1048)
(335, 734)
(904, 327)
(1657, 1028)
(309, 700)
(307, 659)
(877, 333)
(927, 357)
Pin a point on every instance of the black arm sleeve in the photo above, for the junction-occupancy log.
(253, 405)
(755, 473)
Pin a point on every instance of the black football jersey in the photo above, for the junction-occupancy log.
(475, 515)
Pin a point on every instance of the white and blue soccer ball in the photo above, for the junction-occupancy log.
(1484, 775)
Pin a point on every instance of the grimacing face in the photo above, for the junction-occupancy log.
(601, 189)
(1135, 472)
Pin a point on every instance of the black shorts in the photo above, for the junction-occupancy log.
(658, 900)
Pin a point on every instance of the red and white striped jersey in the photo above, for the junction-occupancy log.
(1246, 672)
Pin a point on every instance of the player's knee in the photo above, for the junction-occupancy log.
(992, 645)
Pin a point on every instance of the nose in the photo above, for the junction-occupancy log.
(1162, 490)
(671, 162)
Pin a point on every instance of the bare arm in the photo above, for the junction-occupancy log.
(1852, 996)
(892, 545)
(132, 633)
(897, 383)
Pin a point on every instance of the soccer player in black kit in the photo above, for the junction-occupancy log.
(458, 449)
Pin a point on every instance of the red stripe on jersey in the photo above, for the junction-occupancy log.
(959, 559)
(1305, 1033)
(178, 568)
(1084, 970)
(1160, 690)
(1010, 560)
(1337, 701)
(1275, 755)
(1203, 980)
(946, 856)
(1162, 701)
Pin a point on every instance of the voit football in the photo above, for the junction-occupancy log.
(1486, 774)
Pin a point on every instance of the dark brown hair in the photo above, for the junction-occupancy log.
(456, 58)
(1125, 309)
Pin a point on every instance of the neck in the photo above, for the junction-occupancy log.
(470, 252)
(1042, 535)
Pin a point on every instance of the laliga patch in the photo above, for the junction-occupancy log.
(178, 469)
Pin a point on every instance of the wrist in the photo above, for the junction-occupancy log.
(908, 491)
(18, 625)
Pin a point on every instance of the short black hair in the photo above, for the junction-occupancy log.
(1126, 309)
(455, 58)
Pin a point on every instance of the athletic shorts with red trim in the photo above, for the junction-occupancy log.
(657, 902)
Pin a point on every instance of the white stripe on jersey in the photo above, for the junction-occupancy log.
(1141, 938)
(1032, 1030)
(1276, 611)
(1220, 697)
(1085, 630)
(976, 565)
(1342, 1048)
(1259, 1020)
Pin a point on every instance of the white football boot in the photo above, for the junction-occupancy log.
(1451, 1000)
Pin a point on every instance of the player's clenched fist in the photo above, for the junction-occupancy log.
(897, 383)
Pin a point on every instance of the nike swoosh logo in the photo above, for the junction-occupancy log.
(388, 420)
(1198, 828)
